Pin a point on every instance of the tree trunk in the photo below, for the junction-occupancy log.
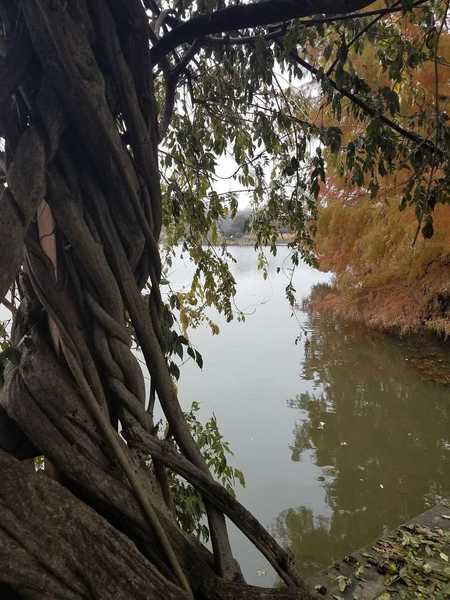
(54, 546)
(80, 220)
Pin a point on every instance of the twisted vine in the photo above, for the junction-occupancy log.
(101, 183)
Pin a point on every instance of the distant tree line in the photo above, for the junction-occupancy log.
(236, 226)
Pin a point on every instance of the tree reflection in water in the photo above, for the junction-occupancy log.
(379, 432)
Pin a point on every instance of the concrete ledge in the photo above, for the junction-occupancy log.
(411, 562)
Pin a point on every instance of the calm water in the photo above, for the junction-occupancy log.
(340, 437)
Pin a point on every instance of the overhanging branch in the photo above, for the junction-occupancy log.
(232, 18)
(364, 106)
(216, 41)
(225, 502)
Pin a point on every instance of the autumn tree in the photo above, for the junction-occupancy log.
(392, 267)
(114, 116)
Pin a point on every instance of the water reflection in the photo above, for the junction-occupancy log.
(380, 434)
(346, 386)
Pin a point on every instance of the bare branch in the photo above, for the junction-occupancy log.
(162, 17)
(186, 58)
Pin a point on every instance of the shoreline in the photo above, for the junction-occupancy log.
(398, 322)
(249, 242)
(426, 351)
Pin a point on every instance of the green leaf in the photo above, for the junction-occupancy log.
(174, 370)
(199, 359)
(427, 229)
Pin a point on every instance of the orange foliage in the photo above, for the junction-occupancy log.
(381, 278)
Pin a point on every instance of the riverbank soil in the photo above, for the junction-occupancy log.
(413, 562)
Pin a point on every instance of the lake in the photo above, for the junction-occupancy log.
(341, 436)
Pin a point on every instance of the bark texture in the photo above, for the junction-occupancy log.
(54, 546)
(79, 228)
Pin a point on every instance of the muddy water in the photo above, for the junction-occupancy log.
(341, 436)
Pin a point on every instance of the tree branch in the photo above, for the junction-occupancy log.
(267, 12)
(222, 500)
(410, 135)
(171, 86)
(213, 41)
(160, 22)
(360, 33)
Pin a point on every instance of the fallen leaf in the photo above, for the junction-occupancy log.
(343, 582)
(321, 589)
(359, 571)
(443, 556)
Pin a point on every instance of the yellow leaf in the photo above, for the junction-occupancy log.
(184, 320)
